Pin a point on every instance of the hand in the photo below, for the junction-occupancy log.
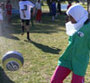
(33, 13)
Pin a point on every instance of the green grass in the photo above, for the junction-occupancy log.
(40, 56)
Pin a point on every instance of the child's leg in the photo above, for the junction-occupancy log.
(27, 29)
(23, 26)
(53, 18)
(37, 15)
(60, 74)
(77, 79)
(32, 20)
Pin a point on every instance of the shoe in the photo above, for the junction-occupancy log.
(22, 33)
(29, 39)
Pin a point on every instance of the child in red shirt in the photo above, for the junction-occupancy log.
(39, 12)
(8, 10)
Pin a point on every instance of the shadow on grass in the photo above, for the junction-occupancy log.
(59, 20)
(46, 48)
(4, 78)
(46, 27)
(7, 31)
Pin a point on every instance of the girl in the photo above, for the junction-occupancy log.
(76, 56)
(8, 11)
(25, 7)
(39, 13)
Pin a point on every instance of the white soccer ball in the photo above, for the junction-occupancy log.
(12, 61)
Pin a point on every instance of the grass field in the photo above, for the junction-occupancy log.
(40, 56)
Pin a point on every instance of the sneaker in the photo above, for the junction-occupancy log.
(29, 39)
(22, 33)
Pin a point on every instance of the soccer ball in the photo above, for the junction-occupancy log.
(12, 61)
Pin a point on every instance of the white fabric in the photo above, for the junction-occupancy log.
(38, 5)
(23, 5)
(80, 15)
(72, 28)
(1, 14)
(77, 12)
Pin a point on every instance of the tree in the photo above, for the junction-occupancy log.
(88, 7)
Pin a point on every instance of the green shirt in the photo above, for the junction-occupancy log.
(76, 55)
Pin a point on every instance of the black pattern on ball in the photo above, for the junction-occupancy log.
(12, 66)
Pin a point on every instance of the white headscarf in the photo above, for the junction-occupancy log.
(80, 15)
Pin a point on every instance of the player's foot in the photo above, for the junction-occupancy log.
(22, 33)
(29, 39)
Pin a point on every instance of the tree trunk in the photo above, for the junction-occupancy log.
(88, 7)
(49, 5)
(59, 7)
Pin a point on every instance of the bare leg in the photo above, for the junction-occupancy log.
(27, 29)
(23, 27)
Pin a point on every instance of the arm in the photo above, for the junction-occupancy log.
(22, 8)
(33, 11)
(32, 6)
(23, 11)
